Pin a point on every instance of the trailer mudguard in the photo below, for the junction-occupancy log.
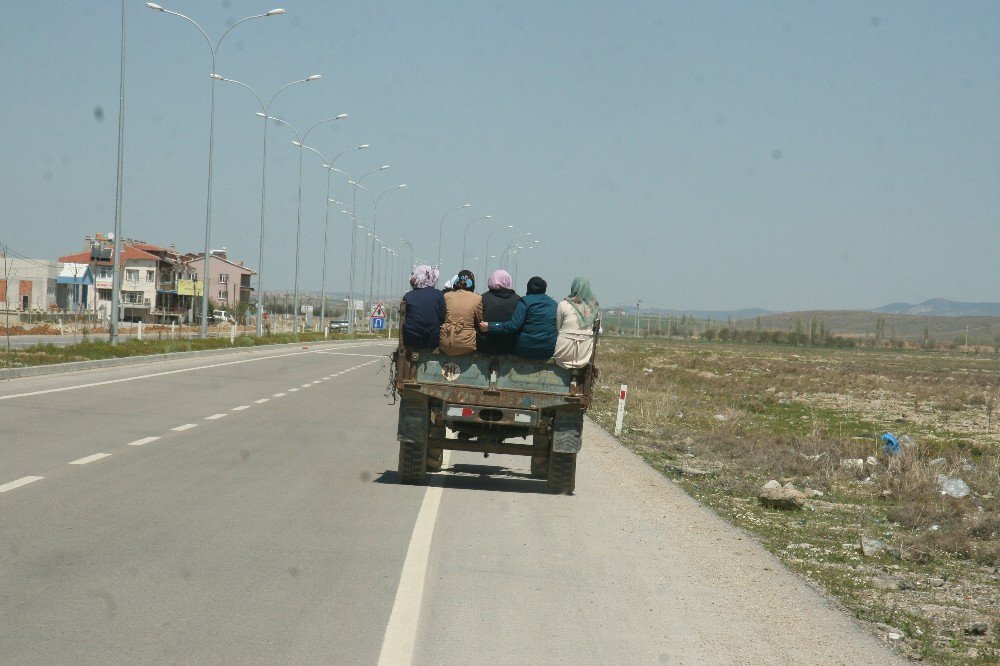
(414, 418)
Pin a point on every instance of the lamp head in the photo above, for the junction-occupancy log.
(363, 146)
(154, 6)
(274, 12)
(296, 143)
(341, 116)
(314, 77)
(216, 77)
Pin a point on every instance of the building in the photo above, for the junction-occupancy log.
(28, 285)
(229, 284)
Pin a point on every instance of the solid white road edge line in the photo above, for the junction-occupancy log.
(90, 459)
(401, 632)
(23, 481)
(186, 426)
(144, 440)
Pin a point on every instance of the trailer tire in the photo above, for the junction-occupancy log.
(540, 463)
(562, 473)
(413, 463)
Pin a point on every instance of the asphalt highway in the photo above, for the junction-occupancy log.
(245, 509)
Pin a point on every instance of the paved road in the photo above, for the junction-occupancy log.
(245, 510)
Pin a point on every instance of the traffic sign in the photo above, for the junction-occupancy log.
(379, 311)
(378, 323)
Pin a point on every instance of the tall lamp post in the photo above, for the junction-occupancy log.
(486, 257)
(328, 165)
(441, 230)
(299, 140)
(214, 48)
(375, 202)
(409, 245)
(465, 236)
(116, 275)
(264, 107)
(355, 184)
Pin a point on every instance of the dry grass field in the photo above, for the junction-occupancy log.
(723, 419)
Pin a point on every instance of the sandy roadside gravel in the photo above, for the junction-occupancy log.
(730, 600)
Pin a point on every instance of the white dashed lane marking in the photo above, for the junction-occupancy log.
(90, 459)
(23, 481)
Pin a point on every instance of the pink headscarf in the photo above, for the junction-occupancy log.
(499, 280)
(423, 276)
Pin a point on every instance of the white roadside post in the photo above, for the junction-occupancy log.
(140, 329)
(621, 409)
(232, 333)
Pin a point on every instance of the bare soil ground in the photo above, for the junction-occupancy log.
(724, 419)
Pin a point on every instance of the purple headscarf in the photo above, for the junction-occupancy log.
(423, 276)
(499, 280)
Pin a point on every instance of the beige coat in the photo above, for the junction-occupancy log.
(574, 345)
(458, 332)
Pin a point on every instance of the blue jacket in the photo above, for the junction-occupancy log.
(534, 320)
(425, 311)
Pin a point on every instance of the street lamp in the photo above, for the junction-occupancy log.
(263, 185)
(375, 202)
(328, 165)
(441, 230)
(214, 48)
(355, 184)
(374, 221)
(298, 215)
(466, 234)
(409, 245)
(486, 257)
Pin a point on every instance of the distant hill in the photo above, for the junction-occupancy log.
(906, 327)
(942, 307)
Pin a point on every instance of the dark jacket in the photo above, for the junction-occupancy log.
(534, 320)
(425, 313)
(498, 305)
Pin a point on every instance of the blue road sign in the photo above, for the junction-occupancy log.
(378, 323)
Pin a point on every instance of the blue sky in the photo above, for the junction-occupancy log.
(786, 155)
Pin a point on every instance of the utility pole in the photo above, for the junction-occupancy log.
(637, 304)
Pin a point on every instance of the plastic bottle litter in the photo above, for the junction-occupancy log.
(890, 444)
(954, 487)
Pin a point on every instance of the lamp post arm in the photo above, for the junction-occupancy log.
(325, 120)
(243, 20)
(204, 34)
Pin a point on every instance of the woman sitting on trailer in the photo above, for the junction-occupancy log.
(575, 319)
(534, 321)
(464, 310)
(425, 310)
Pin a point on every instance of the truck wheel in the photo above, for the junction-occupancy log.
(540, 463)
(562, 473)
(413, 463)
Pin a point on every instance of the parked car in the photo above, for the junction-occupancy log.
(222, 317)
(338, 326)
